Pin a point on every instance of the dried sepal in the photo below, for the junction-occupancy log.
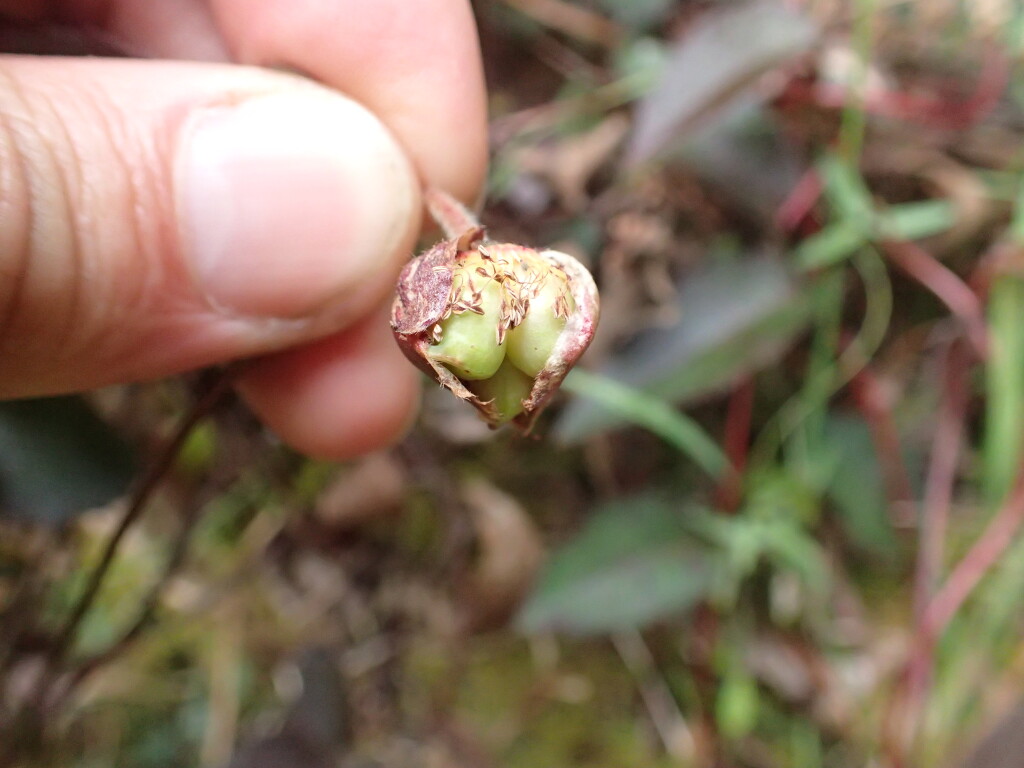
(498, 324)
(579, 330)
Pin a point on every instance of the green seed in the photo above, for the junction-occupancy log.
(469, 341)
(531, 342)
(507, 389)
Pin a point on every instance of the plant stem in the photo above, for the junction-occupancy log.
(139, 499)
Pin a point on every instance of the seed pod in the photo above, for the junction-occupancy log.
(498, 324)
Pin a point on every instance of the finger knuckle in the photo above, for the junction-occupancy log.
(74, 194)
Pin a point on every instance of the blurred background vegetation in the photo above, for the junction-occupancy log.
(774, 523)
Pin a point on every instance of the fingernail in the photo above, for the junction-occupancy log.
(288, 202)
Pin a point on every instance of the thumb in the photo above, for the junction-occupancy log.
(159, 216)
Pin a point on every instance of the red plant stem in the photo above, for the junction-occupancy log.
(953, 114)
(938, 494)
(994, 541)
(947, 287)
(933, 111)
(799, 202)
(870, 398)
(938, 490)
(451, 216)
(736, 440)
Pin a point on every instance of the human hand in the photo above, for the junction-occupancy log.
(172, 212)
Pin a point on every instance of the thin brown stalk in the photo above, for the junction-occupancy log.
(139, 500)
(451, 215)
(580, 23)
(666, 717)
(144, 617)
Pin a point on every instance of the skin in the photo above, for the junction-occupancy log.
(93, 284)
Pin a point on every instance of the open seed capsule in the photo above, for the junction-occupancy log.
(498, 324)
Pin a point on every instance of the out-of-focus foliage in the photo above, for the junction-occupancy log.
(634, 562)
(776, 523)
(732, 318)
(57, 458)
(726, 50)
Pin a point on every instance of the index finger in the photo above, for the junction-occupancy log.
(416, 65)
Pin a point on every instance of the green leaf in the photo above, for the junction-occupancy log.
(58, 458)
(638, 64)
(737, 704)
(745, 154)
(1004, 385)
(913, 221)
(765, 530)
(1003, 443)
(1017, 223)
(846, 191)
(634, 563)
(637, 14)
(724, 53)
(833, 244)
(790, 547)
(856, 488)
(856, 222)
(854, 216)
(656, 415)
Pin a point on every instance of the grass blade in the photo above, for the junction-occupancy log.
(655, 415)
